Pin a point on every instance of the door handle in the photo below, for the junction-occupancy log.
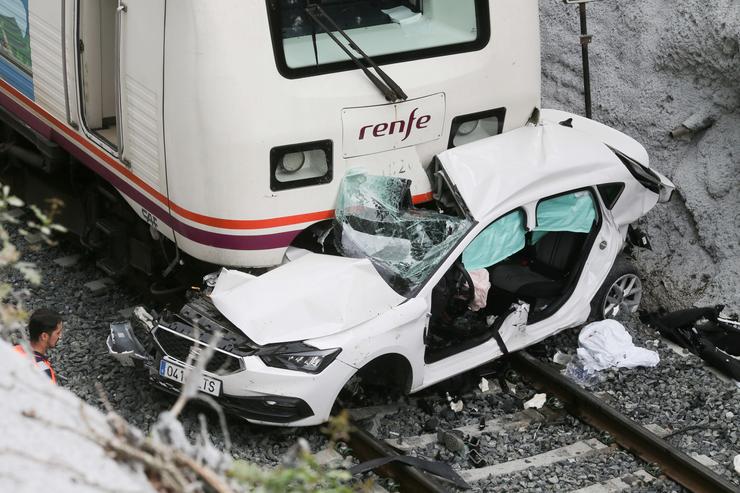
(122, 7)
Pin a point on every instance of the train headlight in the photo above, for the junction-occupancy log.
(293, 161)
(466, 127)
(476, 126)
(300, 165)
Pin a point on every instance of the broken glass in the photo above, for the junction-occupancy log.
(375, 219)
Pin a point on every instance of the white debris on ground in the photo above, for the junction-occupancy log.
(607, 344)
(483, 385)
(536, 402)
(561, 358)
(456, 405)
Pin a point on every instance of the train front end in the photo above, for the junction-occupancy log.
(282, 100)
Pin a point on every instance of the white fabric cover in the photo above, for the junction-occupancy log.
(606, 344)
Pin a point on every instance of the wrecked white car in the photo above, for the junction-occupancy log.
(522, 241)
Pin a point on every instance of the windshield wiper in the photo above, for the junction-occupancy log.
(390, 89)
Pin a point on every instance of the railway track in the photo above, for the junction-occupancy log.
(695, 473)
(648, 445)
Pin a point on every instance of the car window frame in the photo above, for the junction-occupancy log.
(460, 247)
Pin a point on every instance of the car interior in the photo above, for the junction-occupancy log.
(539, 267)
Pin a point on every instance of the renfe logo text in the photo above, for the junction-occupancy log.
(398, 126)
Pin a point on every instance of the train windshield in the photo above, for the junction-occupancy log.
(387, 30)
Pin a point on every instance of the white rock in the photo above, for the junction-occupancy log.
(536, 402)
(483, 385)
(456, 406)
(562, 358)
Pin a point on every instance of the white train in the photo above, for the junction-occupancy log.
(228, 125)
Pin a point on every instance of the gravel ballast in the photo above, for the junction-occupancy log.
(681, 395)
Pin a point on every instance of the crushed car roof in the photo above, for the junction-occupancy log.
(529, 162)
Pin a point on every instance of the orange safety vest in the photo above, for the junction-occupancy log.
(40, 362)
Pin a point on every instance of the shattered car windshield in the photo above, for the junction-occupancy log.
(375, 219)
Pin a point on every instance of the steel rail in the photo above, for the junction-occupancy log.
(673, 462)
(367, 447)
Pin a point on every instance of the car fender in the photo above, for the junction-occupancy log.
(399, 331)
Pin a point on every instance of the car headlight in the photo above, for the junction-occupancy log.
(298, 357)
(300, 165)
(476, 126)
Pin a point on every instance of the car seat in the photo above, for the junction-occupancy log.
(546, 268)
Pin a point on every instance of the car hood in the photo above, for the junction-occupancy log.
(310, 297)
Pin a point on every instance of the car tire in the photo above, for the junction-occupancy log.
(620, 293)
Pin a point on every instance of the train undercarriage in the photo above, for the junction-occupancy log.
(40, 171)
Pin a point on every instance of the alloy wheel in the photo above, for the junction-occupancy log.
(623, 297)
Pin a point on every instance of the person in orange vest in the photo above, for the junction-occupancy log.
(44, 331)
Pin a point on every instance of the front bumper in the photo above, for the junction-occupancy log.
(249, 388)
(258, 408)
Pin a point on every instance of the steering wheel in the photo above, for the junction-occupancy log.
(464, 288)
(451, 297)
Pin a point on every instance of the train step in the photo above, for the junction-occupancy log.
(110, 227)
(110, 266)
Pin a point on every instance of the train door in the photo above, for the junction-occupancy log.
(141, 24)
(120, 69)
(96, 31)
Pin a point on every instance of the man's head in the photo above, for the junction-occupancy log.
(44, 329)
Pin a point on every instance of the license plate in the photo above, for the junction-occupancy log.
(178, 374)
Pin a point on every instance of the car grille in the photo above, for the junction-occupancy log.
(178, 347)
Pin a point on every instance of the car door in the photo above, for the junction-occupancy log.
(499, 240)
